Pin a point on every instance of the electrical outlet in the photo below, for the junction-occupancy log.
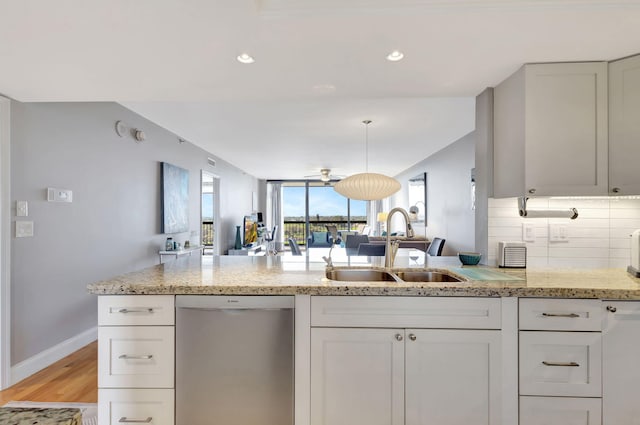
(59, 195)
(24, 229)
(528, 232)
(558, 233)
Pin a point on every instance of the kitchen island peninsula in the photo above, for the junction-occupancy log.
(519, 346)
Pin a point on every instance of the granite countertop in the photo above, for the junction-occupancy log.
(235, 275)
(39, 416)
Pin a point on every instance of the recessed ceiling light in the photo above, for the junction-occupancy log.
(245, 58)
(395, 56)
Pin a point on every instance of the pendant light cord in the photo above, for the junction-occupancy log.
(366, 144)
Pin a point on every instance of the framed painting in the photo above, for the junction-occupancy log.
(175, 199)
(418, 198)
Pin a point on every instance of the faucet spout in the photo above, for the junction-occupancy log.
(390, 252)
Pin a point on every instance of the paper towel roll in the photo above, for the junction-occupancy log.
(570, 213)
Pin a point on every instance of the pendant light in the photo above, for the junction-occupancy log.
(367, 186)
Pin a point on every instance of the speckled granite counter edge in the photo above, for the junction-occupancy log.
(470, 290)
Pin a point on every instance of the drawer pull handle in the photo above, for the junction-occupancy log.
(135, 310)
(128, 357)
(124, 419)
(611, 309)
(560, 315)
(399, 337)
(569, 364)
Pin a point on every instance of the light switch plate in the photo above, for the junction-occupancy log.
(59, 195)
(24, 229)
(528, 232)
(22, 209)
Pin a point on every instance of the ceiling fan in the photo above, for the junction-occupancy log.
(325, 175)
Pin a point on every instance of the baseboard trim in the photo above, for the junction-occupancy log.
(45, 358)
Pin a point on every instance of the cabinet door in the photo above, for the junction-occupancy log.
(452, 377)
(357, 376)
(566, 129)
(624, 122)
(136, 356)
(560, 411)
(135, 406)
(621, 363)
(567, 364)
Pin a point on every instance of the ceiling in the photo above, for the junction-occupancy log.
(320, 68)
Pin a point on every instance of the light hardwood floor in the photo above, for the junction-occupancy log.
(72, 379)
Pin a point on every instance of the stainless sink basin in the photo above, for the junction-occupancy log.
(360, 275)
(426, 276)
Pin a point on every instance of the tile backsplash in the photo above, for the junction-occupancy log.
(599, 238)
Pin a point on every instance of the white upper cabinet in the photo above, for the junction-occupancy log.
(624, 126)
(550, 131)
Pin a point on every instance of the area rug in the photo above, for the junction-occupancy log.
(89, 410)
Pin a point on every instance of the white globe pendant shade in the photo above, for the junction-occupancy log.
(367, 186)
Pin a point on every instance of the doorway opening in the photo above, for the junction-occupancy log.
(209, 213)
(5, 244)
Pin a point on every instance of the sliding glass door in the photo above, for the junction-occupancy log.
(308, 207)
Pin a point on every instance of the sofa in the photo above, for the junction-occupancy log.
(319, 240)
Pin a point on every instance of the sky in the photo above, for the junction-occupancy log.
(322, 200)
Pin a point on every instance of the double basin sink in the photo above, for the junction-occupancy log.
(376, 275)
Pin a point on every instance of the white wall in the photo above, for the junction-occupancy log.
(112, 226)
(449, 213)
(598, 238)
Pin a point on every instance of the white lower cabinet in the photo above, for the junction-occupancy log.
(357, 376)
(136, 356)
(560, 411)
(136, 360)
(621, 363)
(452, 376)
(561, 364)
(397, 376)
(135, 406)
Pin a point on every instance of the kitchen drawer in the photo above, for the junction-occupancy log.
(136, 310)
(406, 312)
(560, 411)
(561, 363)
(135, 406)
(136, 356)
(542, 314)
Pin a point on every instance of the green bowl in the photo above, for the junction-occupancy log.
(469, 258)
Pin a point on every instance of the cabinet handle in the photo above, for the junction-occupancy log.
(399, 337)
(532, 191)
(128, 357)
(124, 419)
(611, 309)
(412, 337)
(615, 190)
(135, 310)
(570, 364)
(572, 315)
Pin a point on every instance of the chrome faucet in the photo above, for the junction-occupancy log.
(334, 241)
(390, 252)
(328, 259)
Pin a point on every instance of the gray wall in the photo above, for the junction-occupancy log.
(113, 224)
(449, 213)
(484, 169)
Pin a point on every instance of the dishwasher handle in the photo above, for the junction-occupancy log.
(225, 302)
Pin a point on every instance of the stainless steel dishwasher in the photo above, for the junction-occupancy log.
(234, 360)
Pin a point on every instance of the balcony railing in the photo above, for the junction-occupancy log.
(207, 233)
(296, 229)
